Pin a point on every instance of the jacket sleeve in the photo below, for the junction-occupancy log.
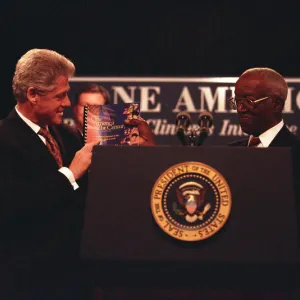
(27, 195)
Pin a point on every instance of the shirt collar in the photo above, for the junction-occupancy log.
(32, 125)
(268, 136)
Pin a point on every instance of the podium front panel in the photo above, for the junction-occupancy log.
(119, 225)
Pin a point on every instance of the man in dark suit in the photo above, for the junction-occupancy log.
(260, 94)
(41, 184)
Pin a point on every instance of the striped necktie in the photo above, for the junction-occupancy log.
(52, 146)
(254, 142)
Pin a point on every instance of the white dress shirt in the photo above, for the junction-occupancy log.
(64, 170)
(268, 136)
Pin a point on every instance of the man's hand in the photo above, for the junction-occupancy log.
(82, 160)
(146, 137)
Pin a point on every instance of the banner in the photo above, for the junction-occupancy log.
(162, 98)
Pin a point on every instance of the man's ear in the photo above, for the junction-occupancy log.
(32, 95)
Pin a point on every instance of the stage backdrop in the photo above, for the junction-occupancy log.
(161, 98)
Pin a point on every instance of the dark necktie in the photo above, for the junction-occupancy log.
(52, 146)
(254, 142)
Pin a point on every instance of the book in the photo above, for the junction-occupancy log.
(106, 123)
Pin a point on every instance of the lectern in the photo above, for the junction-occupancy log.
(257, 246)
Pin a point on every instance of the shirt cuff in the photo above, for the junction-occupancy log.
(68, 173)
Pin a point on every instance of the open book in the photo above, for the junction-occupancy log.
(106, 123)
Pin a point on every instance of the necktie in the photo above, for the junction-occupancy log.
(254, 142)
(51, 145)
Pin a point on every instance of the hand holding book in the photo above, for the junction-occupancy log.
(145, 136)
(116, 124)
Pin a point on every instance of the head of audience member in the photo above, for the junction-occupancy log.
(41, 84)
(260, 94)
(91, 94)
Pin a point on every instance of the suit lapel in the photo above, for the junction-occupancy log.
(240, 143)
(282, 139)
(244, 142)
(28, 142)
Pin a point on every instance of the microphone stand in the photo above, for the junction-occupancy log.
(201, 137)
(182, 137)
(192, 138)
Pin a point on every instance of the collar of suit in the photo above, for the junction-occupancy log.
(268, 136)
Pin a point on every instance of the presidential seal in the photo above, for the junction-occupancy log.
(191, 201)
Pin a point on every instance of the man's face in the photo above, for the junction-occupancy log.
(86, 99)
(258, 118)
(49, 107)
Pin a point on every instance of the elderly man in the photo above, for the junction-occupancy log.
(260, 94)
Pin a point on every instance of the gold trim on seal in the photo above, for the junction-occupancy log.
(189, 173)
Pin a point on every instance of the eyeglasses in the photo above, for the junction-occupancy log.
(235, 102)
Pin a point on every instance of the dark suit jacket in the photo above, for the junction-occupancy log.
(40, 213)
(284, 138)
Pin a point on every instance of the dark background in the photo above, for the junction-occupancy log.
(206, 38)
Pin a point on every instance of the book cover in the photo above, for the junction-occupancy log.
(106, 123)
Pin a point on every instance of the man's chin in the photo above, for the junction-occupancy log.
(57, 120)
(246, 128)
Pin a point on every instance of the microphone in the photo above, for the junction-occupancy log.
(183, 121)
(204, 121)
